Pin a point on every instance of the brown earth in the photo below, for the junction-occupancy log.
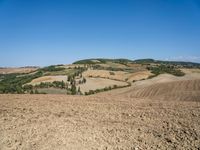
(159, 113)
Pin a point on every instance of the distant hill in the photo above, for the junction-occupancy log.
(182, 63)
(142, 61)
(138, 61)
(102, 60)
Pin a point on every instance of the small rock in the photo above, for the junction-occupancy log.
(168, 140)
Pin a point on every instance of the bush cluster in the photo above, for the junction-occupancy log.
(166, 69)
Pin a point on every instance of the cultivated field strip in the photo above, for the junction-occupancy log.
(179, 90)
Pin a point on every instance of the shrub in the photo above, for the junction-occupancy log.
(84, 80)
(73, 89)
(31, 92)
(112, 73)
(91, 92)
(27, 87)
(37, 92)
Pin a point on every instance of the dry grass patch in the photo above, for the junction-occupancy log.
(16, 70)
(48, 79)
(99, 83)
(139, 75)
(187, 71)
(115, 75)
(118, 75)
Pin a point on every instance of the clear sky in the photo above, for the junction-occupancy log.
(44, 32)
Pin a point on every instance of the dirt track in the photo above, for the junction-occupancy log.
(103, 121)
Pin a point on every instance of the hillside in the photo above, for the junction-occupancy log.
(130, 106)
(158, 113)
(78, 78)
(17, 70)
(102, 60)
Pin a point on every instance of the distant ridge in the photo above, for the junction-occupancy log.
(139, 61)
(102, 60)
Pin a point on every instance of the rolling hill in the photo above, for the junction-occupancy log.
(132, 108)
(117, 72)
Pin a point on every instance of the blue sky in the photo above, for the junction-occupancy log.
(45, 32)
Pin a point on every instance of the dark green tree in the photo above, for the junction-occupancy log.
(62, 84)
(36, 91)
(84, 80)
(73, 89)
(79, 90)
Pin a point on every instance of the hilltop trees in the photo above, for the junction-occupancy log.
(52, 68)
